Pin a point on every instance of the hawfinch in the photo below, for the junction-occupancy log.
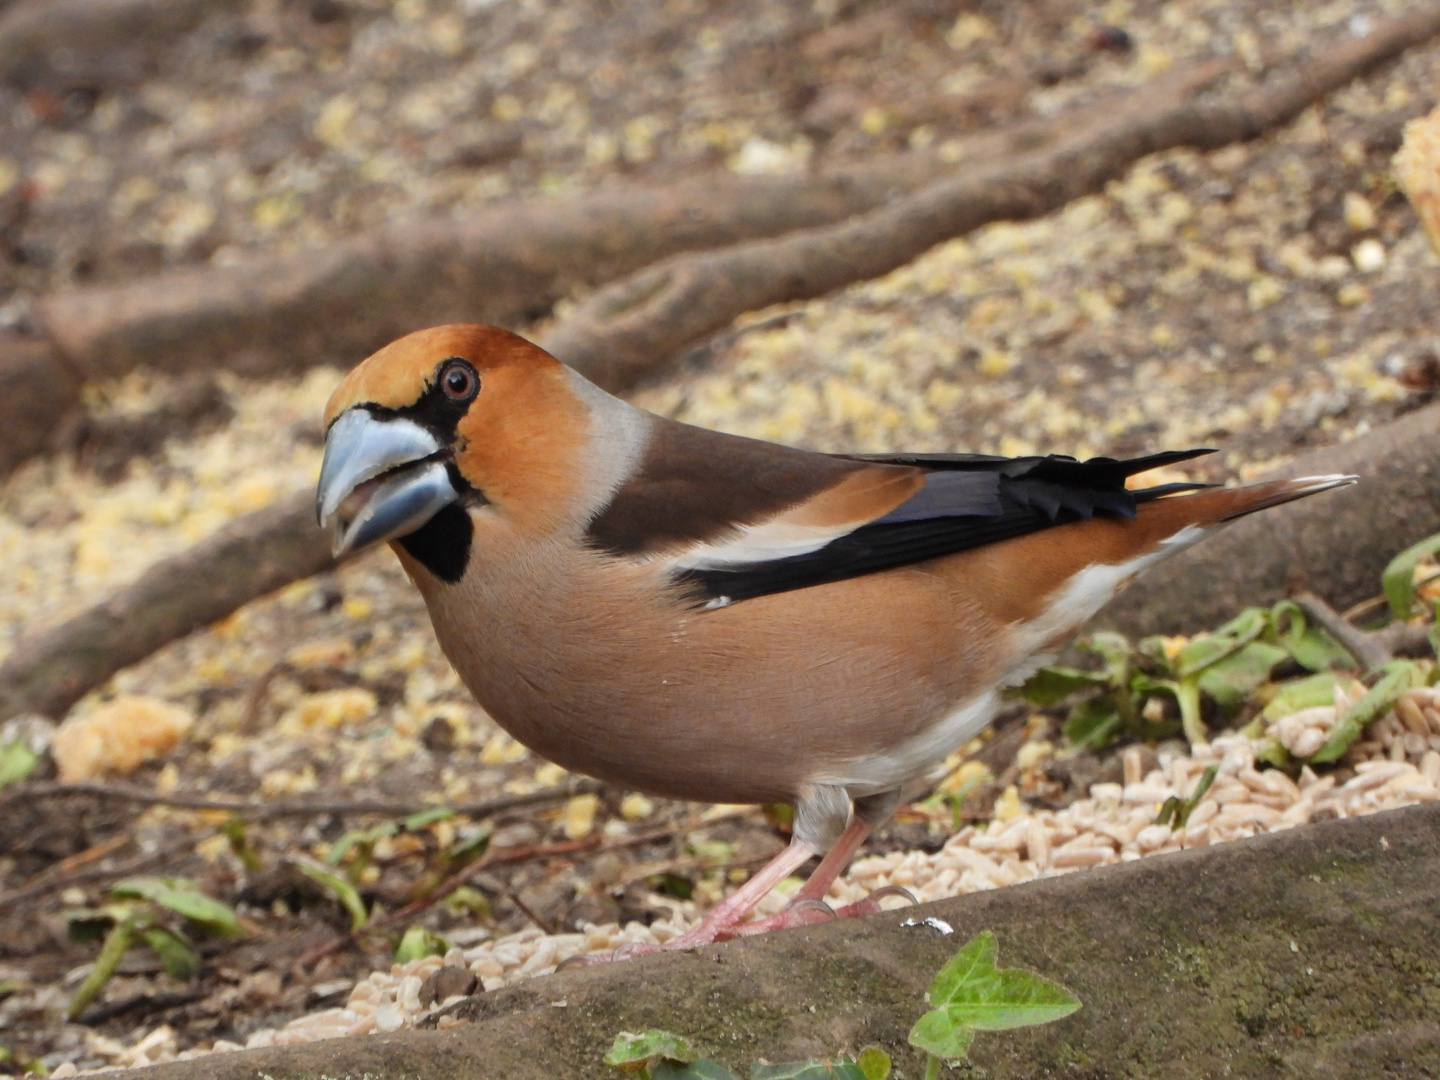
(702, 616)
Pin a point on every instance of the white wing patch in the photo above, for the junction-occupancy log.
(767, 541)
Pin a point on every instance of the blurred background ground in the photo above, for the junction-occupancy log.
(1264, 299)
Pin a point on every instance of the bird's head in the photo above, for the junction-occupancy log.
(444, 423)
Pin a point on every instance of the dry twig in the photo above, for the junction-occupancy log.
(1373, 648)
(594, 842)
(263, 811)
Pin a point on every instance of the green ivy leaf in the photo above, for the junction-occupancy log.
(842, 1069)
(1398, 580)
(937, 1034)
(635, 1051)
(1201, 652)
(182, 896)
(971, 994)
(874, 1063)
(1051, 685)
(1093, 723)
(1312, 648)
(1228, 682)
(701, 1069)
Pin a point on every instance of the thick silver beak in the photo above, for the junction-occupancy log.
(379, 480)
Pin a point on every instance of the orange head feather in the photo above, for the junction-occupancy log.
(522, 439)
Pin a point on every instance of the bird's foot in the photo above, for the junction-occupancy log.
(808, 911)
(803, 912)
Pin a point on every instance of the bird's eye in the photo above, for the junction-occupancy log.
(458, 380)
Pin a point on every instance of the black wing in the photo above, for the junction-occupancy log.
(968, 501)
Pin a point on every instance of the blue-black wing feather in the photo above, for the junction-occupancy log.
(968, 501)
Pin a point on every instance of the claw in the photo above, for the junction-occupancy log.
(812, 905)
(632, 949)
(893, 890)
(584, 960)
(871, 904)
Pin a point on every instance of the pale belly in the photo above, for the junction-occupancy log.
(745, 704)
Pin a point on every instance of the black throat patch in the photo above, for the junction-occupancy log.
(442, 544)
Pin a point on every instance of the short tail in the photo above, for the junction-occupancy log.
(1214, 506)
(1253, 497)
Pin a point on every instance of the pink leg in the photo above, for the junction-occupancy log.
(738, 904)
(835, 861)
(719, 924)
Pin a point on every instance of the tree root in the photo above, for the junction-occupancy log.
(625, 330)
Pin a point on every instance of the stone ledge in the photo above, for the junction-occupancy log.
(1313, 952)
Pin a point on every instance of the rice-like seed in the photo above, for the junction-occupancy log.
(1207, 809)
(1062, 832)
(1037, 844)
(1281, 785)
(1020, 870)
(971, 882)
(1103, 793)
(1245, 814)
(1145, 794)
(1369, 774)
(1411, 715)
(491, 982)
(1266, 798)
(389, 1018)
(487, 967)
(508, 956)
(362, 1008)
(1227, 790)
(1432, 715)
(364, 991)
(1396, 750)
(1152, 837)
(1299, 812)
(1196, 834)
(970, 859)
(1131, 762)
(1117, 832)
(1254, 780)
(1415, 745)
(996, 843)
(1399, 782)
(1430, 766)
(407, 995)
(1072, 858)
(1308, 743)
(960, 839)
